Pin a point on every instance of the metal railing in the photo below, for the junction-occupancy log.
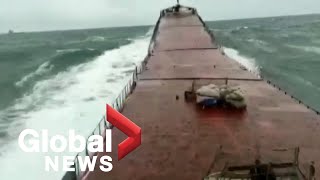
(213, 39)
(267, 170)
(117, 104)
(154, 35)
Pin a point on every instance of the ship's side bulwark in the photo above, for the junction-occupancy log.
(181, 141)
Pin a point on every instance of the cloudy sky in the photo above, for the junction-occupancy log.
(39, 15)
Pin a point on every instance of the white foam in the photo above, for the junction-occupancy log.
(67, 50)
(247, 62)
(74, 99)
(95, 38)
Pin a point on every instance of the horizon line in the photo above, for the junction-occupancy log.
(141, 25)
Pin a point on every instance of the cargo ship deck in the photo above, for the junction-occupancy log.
(183, 141)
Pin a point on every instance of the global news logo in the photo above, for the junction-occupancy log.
(32, 141)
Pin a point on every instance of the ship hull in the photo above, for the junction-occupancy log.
(180, 140)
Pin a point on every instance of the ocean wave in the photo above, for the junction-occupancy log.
(70, 58)
(247, 62)
(239, 28)
(150, 31)
(41, 70)
(316, 42)
(62, 51)
(265, 46)
(257, 41)
(313, 49)
(95, 38)
(72, 99)
(63, 59)
(242, 27)
(67, 50)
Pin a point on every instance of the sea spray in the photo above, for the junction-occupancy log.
(62, 104)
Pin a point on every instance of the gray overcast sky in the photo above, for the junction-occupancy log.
(39, 15)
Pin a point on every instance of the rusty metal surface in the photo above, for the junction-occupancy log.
(182, 20)
(175, 38)
(194, 64)
(181, 140)
(184, 31)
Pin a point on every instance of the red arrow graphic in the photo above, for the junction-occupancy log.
(126, 126)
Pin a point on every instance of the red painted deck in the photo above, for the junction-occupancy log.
(179, 140)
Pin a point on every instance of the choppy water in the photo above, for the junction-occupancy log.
(285, 49)
(62, 80)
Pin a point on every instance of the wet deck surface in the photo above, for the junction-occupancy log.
(175, 38)
(190, 63)
(180, 140)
